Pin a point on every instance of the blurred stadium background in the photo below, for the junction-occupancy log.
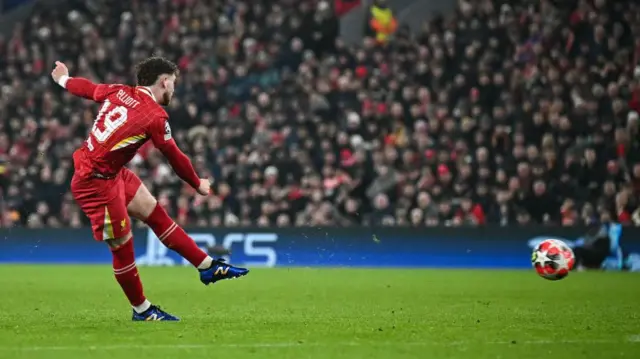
(520, 117)
(357, 133)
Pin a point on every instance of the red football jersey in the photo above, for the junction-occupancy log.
(129, 116)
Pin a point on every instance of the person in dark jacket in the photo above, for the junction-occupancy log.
(600, 247)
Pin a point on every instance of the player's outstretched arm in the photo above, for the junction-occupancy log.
(160, 132)
(183, 167)
(76, 85)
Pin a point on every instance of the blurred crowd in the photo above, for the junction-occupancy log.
(506, 112)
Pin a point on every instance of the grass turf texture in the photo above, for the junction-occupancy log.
(79, 312)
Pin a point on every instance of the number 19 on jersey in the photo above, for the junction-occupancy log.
(109, 119)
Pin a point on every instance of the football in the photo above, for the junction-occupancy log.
(552, 259)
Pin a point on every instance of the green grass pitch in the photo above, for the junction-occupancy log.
(79, 312)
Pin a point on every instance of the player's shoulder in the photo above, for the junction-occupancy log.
(159, 122)
(157, 112)
(116, 87)
(133, 91)
(154, 113)
(161, 112)
(105, 91)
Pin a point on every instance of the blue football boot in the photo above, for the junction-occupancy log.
(154, 314)
(220, 270)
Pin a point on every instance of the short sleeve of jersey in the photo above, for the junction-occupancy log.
(103, 91)
(160, 131)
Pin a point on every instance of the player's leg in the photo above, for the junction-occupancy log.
(104, 203)
(589, 257)
(142, 205)
(126, 271)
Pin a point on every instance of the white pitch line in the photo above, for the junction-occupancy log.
(632, 339)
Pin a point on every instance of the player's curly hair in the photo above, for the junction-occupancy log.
(148, 70)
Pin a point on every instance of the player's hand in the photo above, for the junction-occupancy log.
(59, 71)
(205, 187)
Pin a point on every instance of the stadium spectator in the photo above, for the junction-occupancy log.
(503, 113)
(381, 22)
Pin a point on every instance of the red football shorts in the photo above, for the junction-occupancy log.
(105, 202)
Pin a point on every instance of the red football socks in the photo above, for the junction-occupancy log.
(174, 237)
(126, 272)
